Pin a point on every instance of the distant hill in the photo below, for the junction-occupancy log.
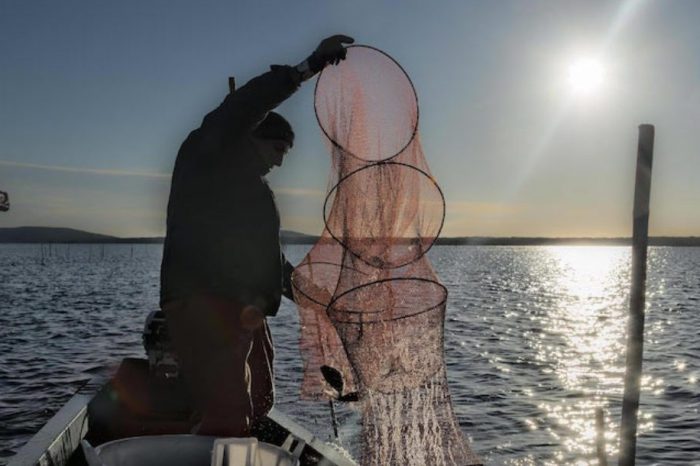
(293, 237)
(69, 235)
(51, 235)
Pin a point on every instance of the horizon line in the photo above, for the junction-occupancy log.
(283, 230)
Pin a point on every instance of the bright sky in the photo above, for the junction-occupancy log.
(529, 109)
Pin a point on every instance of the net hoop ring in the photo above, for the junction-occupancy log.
(375, 165)
(336, 143)
(307, 265)
(331, 310)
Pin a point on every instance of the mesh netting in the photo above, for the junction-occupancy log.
(370, 303)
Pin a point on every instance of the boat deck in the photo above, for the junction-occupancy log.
(130, 404)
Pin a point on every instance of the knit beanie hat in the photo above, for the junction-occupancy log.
(274, 126)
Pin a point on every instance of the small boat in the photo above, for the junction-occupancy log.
(145, 397)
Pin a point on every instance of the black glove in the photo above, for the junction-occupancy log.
(330, 50)
(287, 271)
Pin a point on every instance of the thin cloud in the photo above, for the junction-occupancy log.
(91, 171)
(483, 208)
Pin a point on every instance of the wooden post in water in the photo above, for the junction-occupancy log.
(635, 327)
(600, 437)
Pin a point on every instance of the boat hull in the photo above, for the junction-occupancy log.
(134, 403)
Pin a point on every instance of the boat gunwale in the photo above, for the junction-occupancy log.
(60, 437)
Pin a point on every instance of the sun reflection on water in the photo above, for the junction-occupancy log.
(586, 319)
(582, 344)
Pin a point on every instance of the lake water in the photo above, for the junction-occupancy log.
(534, 343)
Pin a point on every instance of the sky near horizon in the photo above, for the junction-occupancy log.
(96, 97)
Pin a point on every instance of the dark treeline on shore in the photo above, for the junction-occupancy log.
(63, 235)
(537, 241)
(69, 235)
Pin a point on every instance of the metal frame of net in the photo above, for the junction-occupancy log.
(370, 303)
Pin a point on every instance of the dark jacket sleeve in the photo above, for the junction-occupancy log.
(242, 110)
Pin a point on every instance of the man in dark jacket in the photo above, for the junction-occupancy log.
(223, 272)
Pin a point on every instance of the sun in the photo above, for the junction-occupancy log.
(586, 76)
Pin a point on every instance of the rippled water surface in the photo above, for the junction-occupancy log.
(534, 343)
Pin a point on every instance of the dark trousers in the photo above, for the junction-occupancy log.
(225, 353)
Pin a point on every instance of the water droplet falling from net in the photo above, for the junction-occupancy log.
(369, 300)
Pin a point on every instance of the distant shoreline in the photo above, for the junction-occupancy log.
(684, 241)
(72, 236)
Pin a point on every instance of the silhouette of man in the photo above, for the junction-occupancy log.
(223, 272)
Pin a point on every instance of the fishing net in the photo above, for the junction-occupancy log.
(370, 303)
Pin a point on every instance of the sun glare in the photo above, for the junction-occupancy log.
(586, 76)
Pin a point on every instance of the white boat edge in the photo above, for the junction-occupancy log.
(60, 437)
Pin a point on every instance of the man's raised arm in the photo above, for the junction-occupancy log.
(244, 108)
